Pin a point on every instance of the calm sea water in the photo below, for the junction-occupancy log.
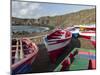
(29, 29)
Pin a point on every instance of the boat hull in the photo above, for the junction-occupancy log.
(87, 35)
(55, 47)
(23, 65)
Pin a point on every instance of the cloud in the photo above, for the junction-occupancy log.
(23, 12)
(24, 9)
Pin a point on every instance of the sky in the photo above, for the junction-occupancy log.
(23, 9)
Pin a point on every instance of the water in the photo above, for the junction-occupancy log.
(29, 29)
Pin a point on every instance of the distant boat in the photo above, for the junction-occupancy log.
(77, 59)
(90, 35)
(86, 27)
(56, 41)
(23, 54)
(87, 34)
(74, 31)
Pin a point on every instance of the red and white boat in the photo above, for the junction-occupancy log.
(56, 41)
(24, 53)
(87, 34)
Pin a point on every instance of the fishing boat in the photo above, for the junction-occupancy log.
(74, 31)
(87, 34)
(23, 53)
(90, 35)
(77, 59)
(86, 27)
(55, 42)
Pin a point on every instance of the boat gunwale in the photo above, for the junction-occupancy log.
(60, 38)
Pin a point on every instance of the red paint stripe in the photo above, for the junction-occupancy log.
(94, 43)
(87, 53)
(93, 28)
(93, 64)
(86, 37)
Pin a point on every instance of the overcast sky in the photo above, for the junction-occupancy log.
(36, 10)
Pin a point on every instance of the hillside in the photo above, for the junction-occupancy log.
(81, 17)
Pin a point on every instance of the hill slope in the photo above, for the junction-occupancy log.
(81, 17)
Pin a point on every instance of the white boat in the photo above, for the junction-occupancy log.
(56, 41)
